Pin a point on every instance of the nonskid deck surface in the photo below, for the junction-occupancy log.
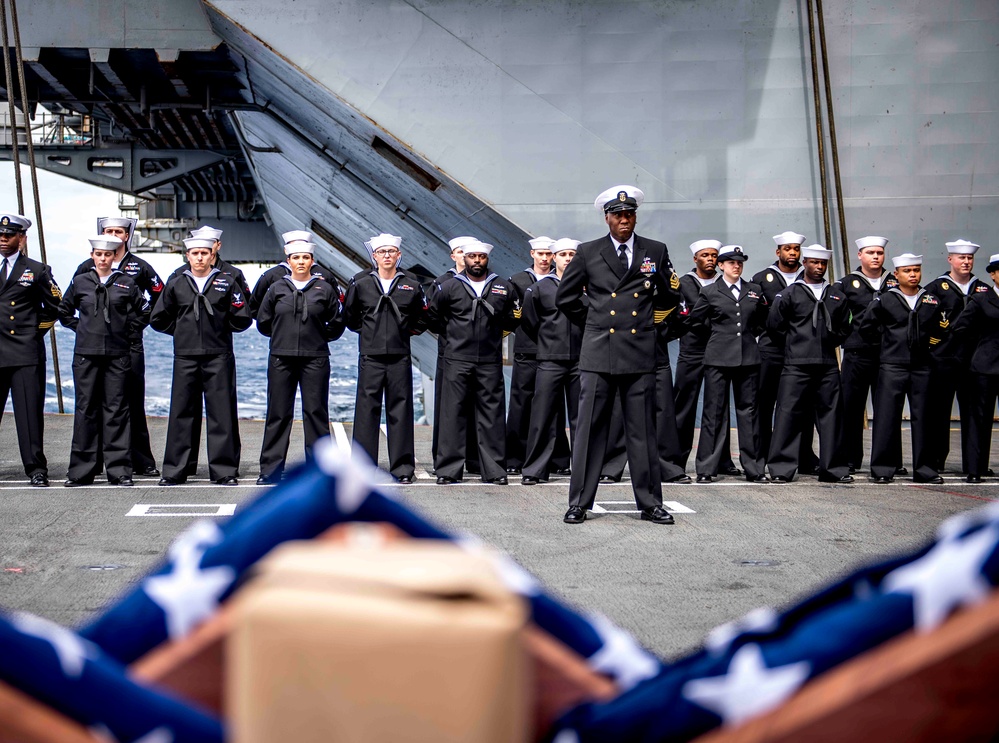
(735, 546)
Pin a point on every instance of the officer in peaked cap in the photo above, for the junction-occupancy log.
(149, 283)
(282, 269)
(952, 357)
(617, 287)
(29, 298)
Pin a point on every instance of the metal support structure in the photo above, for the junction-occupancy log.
(10, 104)
(819, 134)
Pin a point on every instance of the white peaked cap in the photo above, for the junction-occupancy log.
(871, 241)
(698, 245)
(105, 242)
(293, 235)
(614, 194)
(198, 242)
(907, 259)
(564, 243)
(299, 246)
(789, 238)
(207, 232)
(461, 242)
(815, 251)
(478, 247)
(962, 247)
(541, 242)
(23, 223)
(383, 240)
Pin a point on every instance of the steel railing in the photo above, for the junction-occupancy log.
(48, 130)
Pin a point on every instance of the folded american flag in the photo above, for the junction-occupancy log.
(205, 564)
(751, 666)
(70, 674)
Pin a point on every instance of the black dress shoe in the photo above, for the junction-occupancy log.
(529, 481)
(703, 479)
(901, 472)
(852, 469)
(607, 479)
(731, 471)
(228, 480)
(813, 470)
(681, 479)
(990, 472)
(268, 479)
(884, 480)
(405, 480)
(501, 480)
(973, 478)
(758, 478)
(513, 470)
(937, 480)
(575, 515)
(74, 483)
(657, 515)
(473, 470)
(442, 480)
(39, 480)
(123, 482)
(780, 479)
(166, 481)
(563, 472)
(148, 472)
(844, 480)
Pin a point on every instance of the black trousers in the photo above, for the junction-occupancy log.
(952, 378)
(616, 456)
(556, 392)
(21, 384)
(686, 390)
(713, 445)
(285, 376)
(896, 382)
(667, 439)
(523, 387)
(771, 368)
(473, 397)
(135, 392)
(101, 425)
(471, 442)
(803, 390)
(212, 379)
(859, 377)
(391, 377)
(638, 400)
(986, 390)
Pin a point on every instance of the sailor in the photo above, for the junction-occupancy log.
(149, 283)
(952, 357)
(283, 269)
(667, 439)
(730, 313)
(474, 309)
(774, 278)
(617, 287)
(106, 309)
(813, 318)
(859, 371)
(201, 308)
(906, 321)
(690, 361)
(557, 382)
(301, 313)
(30, 298)
(457, 245)
(386, 308)
(978, 328)
(525, 368)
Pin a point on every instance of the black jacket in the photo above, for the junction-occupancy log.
(952, 302)
(272, 274)
(475, 326)
(105, 317)
(622, 308)
(811, 329)
(730, 327)
(771, 281)
(859, 292)
(144, 276)
(300, 322)
(385, 321)
(29, 300)
(904, 336)
(977, 329)
(522, 281)
(201, 324)
(691, 344)
(555, 337)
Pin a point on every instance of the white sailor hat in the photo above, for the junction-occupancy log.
(127, 223)
(478, 247)
(541, 242)
(815, 251)
(299, 246)
(619, 199)
(993, 263)
(789, 238)
(293, 235)
(565, 243)
(871, 241)
(458, 243)
(207, 232)
(12, 223)
(698, 245)
(383, 240)
(105, 242)
(732, 253)
(963, 247)
(190, 243)
(907, 259)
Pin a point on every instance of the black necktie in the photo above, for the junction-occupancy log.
(3, 273)
(622, 253)
(735, 292)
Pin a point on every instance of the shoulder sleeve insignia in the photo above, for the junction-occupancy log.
(674, 281)
(945, 286)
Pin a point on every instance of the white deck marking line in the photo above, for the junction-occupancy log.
(597, 508)
(384, 431)
(340, 434)
(108, 486)
(221, 509)
(670, 505)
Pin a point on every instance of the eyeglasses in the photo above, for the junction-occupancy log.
(383, 252)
